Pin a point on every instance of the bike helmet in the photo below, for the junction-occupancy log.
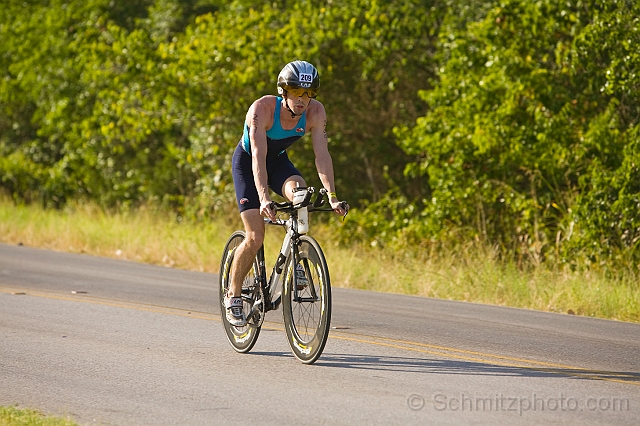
(298, 75)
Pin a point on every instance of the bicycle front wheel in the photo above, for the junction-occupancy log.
(307, 305)
(242, 339)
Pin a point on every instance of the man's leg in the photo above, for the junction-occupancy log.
(288, 187)
(290, 184)
(247, 250)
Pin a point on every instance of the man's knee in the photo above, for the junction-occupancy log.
(292, 183)
(254, 239)
(254, 229)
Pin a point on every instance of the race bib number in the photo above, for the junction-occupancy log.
(306, 78)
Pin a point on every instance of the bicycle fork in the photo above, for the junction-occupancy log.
(289, 249)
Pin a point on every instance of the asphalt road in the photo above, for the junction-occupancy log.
(114, 342)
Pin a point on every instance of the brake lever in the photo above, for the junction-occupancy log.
(345, 206)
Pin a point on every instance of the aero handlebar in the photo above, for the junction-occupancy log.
(316, 205)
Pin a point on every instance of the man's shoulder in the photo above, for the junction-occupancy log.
(262, 107)
(316, 111)
(266, 100)
(265, 104)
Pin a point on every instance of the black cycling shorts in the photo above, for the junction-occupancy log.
(279, 169)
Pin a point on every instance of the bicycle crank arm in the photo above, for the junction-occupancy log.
(255, 309)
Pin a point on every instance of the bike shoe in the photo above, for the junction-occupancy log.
(235, 314)
(301, 278)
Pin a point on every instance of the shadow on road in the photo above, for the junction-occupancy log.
(439, 366)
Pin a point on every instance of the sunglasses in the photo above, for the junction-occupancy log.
(295, 91)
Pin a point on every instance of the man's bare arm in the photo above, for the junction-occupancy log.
(258, 118)
(324, 163)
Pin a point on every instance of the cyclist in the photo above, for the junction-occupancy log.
(260, 162)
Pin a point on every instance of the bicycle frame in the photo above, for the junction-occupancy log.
(277, 277)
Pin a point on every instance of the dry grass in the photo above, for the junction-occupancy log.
(474, 274)
(479, 276)
(145, 235)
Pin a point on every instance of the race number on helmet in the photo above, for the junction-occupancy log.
(298, 75)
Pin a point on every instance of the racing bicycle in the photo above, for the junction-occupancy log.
(299, 281)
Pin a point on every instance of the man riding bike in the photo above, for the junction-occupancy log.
(260, 162)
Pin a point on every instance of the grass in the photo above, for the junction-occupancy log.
(474, 273)
(12, 416)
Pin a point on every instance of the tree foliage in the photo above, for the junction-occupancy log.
(530, 141)
(123, 103)
(513, 122)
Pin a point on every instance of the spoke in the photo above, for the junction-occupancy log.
(307, 315)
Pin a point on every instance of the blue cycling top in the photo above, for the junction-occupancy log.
(278, 139)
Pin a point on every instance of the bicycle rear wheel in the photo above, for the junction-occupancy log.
(307, 308)
(242, 339)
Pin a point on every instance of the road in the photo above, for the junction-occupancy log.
(113, 342)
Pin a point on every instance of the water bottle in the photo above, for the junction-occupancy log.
(299, 195)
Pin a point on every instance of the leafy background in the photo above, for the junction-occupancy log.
(512, 123)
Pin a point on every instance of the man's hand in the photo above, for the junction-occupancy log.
(340, 207)
(267, 210)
